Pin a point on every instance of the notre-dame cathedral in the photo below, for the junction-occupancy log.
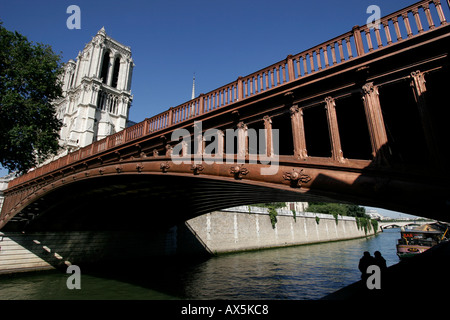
(96, 92)
(96, 96)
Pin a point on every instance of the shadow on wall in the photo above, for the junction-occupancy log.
(44, 250)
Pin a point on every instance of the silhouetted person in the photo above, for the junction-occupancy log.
(380, 261)
(366, 261)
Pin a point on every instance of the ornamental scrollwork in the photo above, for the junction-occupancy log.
(164, 166)
(238, 171)
(197, 168)
(296, 178)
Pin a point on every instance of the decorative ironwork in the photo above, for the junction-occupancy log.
(238, 171)
(164, 167)
(296, 178)
(139, 167)
(197, 168)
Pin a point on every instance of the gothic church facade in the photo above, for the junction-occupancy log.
(96, 92)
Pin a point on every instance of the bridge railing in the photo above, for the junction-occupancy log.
(360, 41)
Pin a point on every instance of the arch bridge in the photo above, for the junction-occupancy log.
(360, 118)
(400, 224)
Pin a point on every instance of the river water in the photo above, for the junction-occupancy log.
(306, 272)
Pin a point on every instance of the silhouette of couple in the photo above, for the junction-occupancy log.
(367, 260)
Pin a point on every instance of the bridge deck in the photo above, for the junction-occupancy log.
(345, 75)
(359, 42)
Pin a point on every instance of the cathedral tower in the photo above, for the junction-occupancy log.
(96, 92)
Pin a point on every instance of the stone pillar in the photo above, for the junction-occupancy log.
(220, 144)
(336, 149)
(101, 53)
(122, 112)
(419, 90)
(375, 122)
(95, 60)
(94, 95)
(269, 137)
(199, 146)
(242, 140)
(123, 71)
(110, 69)
(77, 70)
(298, 133)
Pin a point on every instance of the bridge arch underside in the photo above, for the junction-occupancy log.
(371, 131)
(130, 200)
(137, 201)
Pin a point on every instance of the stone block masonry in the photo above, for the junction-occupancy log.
(249, 228)
(229, 230)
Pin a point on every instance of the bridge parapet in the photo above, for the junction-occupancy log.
(356, 43)
(332, 106)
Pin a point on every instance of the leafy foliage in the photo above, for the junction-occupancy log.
(29, 76)
(272, 206)
(336, 209)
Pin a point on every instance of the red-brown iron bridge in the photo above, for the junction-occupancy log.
(362, 118)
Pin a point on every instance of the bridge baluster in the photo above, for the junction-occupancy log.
(349, 47)
(333, 53)
(210, 102)
(415, 12)
(426, 8)
(387, 32)
(397, 29)
(378, 37)
(325, 56)
(437, 4)
(277, 71)
(369, 40)
(305, 68)
(407, 25)
(319, 64)
(311, 61)
(261, 88)
(341, 51)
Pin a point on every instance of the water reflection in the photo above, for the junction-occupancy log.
(302, 272)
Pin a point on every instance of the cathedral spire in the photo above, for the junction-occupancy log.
(193, 87)
(102, 30)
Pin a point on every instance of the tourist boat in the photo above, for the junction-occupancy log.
(418, 240)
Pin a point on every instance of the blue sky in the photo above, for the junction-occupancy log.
(172, 39)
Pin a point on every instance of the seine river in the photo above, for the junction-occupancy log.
(306, 272)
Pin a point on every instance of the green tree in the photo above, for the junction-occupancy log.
(29, 82)
(328, 208)
(355, 211)
(337, 209)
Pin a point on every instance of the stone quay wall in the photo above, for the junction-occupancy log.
(230, 230)
(249, 228)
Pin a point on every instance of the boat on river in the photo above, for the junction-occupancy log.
(418, 240)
